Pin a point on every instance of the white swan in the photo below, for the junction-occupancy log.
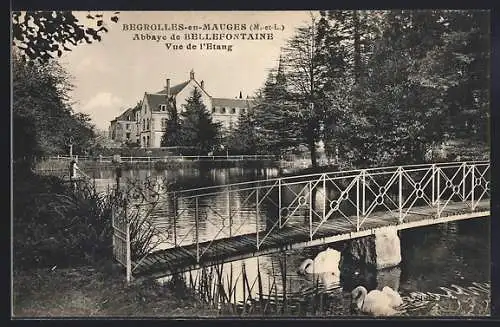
(325, 261)
(396, 299)
(377, 303)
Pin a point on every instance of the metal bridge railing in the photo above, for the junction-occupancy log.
(311, 200)
(201, 216)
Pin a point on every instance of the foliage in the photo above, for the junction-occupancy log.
(172, 135)
(39, 35)
(305, 74)
(274, 117)
(56, 225)
(44, 122)
(415, 79)
(243, 139)
(196, 126)
(291, 111)
(140, 198)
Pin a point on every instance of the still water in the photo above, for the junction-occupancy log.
(445, 268)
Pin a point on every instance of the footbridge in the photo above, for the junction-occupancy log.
(210, 225)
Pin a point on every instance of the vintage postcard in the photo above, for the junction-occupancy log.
(211, 164)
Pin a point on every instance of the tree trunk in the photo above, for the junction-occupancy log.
(357, 48)
(312, 151)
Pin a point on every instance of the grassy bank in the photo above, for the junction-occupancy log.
(91, 292)
(62, 250)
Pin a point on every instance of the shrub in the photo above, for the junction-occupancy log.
(55, 224)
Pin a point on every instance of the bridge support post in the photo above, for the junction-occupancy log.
(433, 185)
(438, 199)
(400, 194)
(382, 250)
(473, 187)
(464, 178)
(357, 204)
(325, 195)
(310, 210)
(279, 203)
(363, 176)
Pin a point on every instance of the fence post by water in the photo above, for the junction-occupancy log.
(197, 231)
(257, 225)
(121, 236)
(175, 218)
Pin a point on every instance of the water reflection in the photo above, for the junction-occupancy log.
(427, 282)
(445, 268)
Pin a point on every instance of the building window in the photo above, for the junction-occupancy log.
(213, 110)
(147, 141)
(163, 107)
(223, 110)
(143, 124)
(233, 110)
(244, 111)
(128, 136)
(127, 126)
(152, 123)
(147, 124)
(164, 123)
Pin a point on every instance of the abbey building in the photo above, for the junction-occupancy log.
(151, 119)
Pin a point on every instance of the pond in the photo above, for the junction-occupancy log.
(445, 268)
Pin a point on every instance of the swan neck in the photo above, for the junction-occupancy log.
(305, 265)
(360, 299)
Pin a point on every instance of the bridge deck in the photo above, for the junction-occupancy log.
(165, 262)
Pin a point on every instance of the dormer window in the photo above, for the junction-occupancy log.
(233, 110)
(223, 110)
(163, 107)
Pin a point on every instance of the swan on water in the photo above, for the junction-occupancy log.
(377, 303)
(325, 261)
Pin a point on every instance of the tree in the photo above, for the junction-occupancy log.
(39, 35)
(41, 110)
(458, 68)
(410, 100)
(172, 134)
(44, 122)
(306, 79)
(346, 39)
(197, 128)
(275, 128)
(243, 139)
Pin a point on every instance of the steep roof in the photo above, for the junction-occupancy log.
(127, 115)
(232, 103)
(174, 89)
(155, 100)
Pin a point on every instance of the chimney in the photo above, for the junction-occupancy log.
(241, 95)
(202, 83)
(168, 88)
(191, 74)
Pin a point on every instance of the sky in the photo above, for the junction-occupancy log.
(112, 75)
